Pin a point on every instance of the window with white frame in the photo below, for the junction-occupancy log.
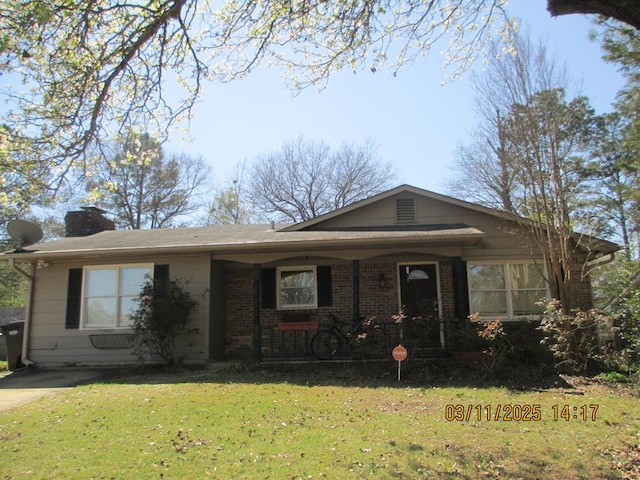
(506, 289)
(108, 293)
(297, 288)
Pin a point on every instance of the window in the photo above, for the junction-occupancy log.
(297, 288)
(528, 287)
(108, 294)
(506, 289)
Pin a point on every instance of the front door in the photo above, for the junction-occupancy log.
(419, 301)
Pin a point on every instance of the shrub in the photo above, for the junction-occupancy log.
(572, 337)
(614, 290)
(497, 346)
(628, 323)
(615, 377)
(162, 313)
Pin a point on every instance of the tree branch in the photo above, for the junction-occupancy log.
(627, 11)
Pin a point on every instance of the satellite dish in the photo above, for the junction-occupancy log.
(25, 233)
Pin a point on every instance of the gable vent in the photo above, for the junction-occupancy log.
(406, 210)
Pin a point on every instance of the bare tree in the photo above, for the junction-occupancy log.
(230, 205)
(486, 169)
(143, 188)
(487, 162)
(306, 179)
(529, 154)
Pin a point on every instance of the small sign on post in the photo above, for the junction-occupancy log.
(399, 353)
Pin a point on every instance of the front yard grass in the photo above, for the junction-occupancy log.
(334, 422)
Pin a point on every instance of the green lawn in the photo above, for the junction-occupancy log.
(320, 422)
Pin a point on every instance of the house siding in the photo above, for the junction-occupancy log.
(500, 239)
(51, 344)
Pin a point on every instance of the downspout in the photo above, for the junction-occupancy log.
(598, 262)
(27, 311)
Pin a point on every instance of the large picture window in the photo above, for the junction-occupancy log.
(297, 288)
(108, 294)
(506, 289)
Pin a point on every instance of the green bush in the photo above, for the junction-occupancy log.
(162, 313)
(609, 282)
(628, 327)
(615, 377)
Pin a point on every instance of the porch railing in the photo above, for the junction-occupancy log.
(293, 340)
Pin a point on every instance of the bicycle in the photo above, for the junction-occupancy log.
(366, 337)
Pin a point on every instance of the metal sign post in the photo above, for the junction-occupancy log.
(399, 353)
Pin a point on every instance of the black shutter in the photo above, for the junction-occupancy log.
(325, 289)
(161, 273)
(161, 278)
(460, 288)
(74, 298)
(268, 288)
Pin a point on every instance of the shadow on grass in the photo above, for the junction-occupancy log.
(371, 374)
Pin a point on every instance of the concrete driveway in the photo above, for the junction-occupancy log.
(27, 384)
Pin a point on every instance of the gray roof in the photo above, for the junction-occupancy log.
(238, 239)
(299, 237)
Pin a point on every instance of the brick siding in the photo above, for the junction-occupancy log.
(381, 302)
(581, 293)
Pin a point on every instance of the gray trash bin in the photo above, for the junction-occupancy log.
(12, 334)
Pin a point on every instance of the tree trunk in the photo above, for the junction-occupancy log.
(627, 11)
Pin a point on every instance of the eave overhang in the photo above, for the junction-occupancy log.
(274, 241)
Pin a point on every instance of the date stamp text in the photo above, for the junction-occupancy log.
(514, 412)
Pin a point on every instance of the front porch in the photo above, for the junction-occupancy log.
(426, 288)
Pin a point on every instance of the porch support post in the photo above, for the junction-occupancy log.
(217, 297)
(356, 291)
(257, 343)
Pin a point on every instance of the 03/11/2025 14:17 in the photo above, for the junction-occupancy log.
(518, 412)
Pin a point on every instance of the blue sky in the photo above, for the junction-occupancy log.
(415, 121)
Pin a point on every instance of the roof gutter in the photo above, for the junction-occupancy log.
(27, 312)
